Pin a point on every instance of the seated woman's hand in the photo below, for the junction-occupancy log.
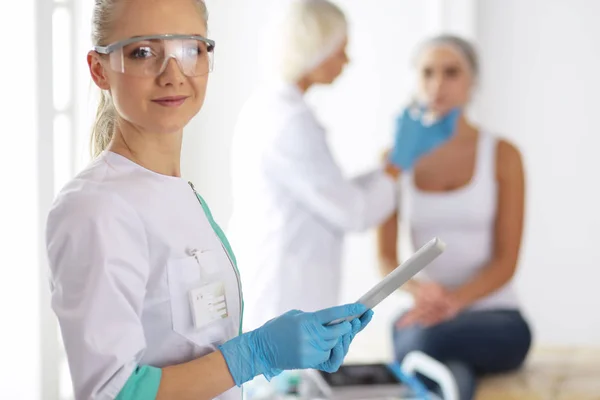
(431, 293)
(433, 304)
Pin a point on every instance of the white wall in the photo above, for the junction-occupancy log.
(540, 88)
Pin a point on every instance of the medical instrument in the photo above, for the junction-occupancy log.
(399, 276)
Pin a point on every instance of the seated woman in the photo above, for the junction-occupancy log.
(469, 192)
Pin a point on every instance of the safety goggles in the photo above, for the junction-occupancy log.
(148, 56)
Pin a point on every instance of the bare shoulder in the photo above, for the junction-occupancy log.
(507, 151)
(509, 161)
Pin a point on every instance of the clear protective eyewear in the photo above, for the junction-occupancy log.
(148, 56)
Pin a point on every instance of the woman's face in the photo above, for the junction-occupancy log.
(140, 101)
(445, 79)
(330, 69)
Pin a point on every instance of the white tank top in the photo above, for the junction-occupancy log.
(463, 218)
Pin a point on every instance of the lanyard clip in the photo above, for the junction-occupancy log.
(194, 253)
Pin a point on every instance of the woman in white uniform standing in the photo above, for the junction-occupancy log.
(144, 283)
(292, 204)
(469, 192)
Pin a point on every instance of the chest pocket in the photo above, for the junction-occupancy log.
(185, 275)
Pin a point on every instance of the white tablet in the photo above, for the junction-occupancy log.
(399, 276)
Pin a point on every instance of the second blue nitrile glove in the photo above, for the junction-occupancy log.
(295, 340)
(414, 137)
(358, 324)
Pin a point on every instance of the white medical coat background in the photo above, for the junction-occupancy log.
(537, 59)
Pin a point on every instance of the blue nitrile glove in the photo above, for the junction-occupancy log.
(415, 138)
(339, 352)
(358, 324)
(295, 340)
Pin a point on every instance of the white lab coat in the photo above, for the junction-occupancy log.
(293, 206)
(120, 240)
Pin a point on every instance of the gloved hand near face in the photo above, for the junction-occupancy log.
(417, 134)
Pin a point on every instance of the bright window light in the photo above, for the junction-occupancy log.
(62, 58)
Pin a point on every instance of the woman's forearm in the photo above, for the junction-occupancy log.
(491, 278)
(411, 286)
(201, 379)
(392, 170)
(387, 264)
(387, 239)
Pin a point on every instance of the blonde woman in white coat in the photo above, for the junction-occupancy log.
(144, 283)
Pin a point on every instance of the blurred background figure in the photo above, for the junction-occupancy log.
(470, 192)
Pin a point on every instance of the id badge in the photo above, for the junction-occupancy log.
(208, 304)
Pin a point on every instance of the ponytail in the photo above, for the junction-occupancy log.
(104, 125)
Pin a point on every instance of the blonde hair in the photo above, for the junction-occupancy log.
(103, 17)
(309, 32)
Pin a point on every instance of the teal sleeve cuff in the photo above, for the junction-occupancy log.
(142, 384)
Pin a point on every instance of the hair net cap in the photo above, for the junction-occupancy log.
(309, 32)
